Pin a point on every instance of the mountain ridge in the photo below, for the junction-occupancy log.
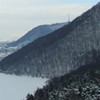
(37, 32)
(7, 48)
(59, 52)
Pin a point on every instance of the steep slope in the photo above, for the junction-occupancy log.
(61, 51)
(37, 32)
(82, 84)
(7, 48)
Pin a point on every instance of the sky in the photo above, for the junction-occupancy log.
(17, 17)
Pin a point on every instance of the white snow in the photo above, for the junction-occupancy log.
(17, 87)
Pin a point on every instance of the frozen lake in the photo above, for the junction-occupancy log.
(17, 87)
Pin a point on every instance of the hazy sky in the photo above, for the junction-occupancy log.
(19, 16)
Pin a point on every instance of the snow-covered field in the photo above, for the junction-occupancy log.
(17, 87)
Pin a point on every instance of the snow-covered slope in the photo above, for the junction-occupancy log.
(17, 87)
(5, 50)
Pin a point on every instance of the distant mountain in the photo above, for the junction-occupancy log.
(61, 51)
(37, 32)
(82, 84)
(7, 48)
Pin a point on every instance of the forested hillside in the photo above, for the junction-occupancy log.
(60, 52)
(82, 84)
